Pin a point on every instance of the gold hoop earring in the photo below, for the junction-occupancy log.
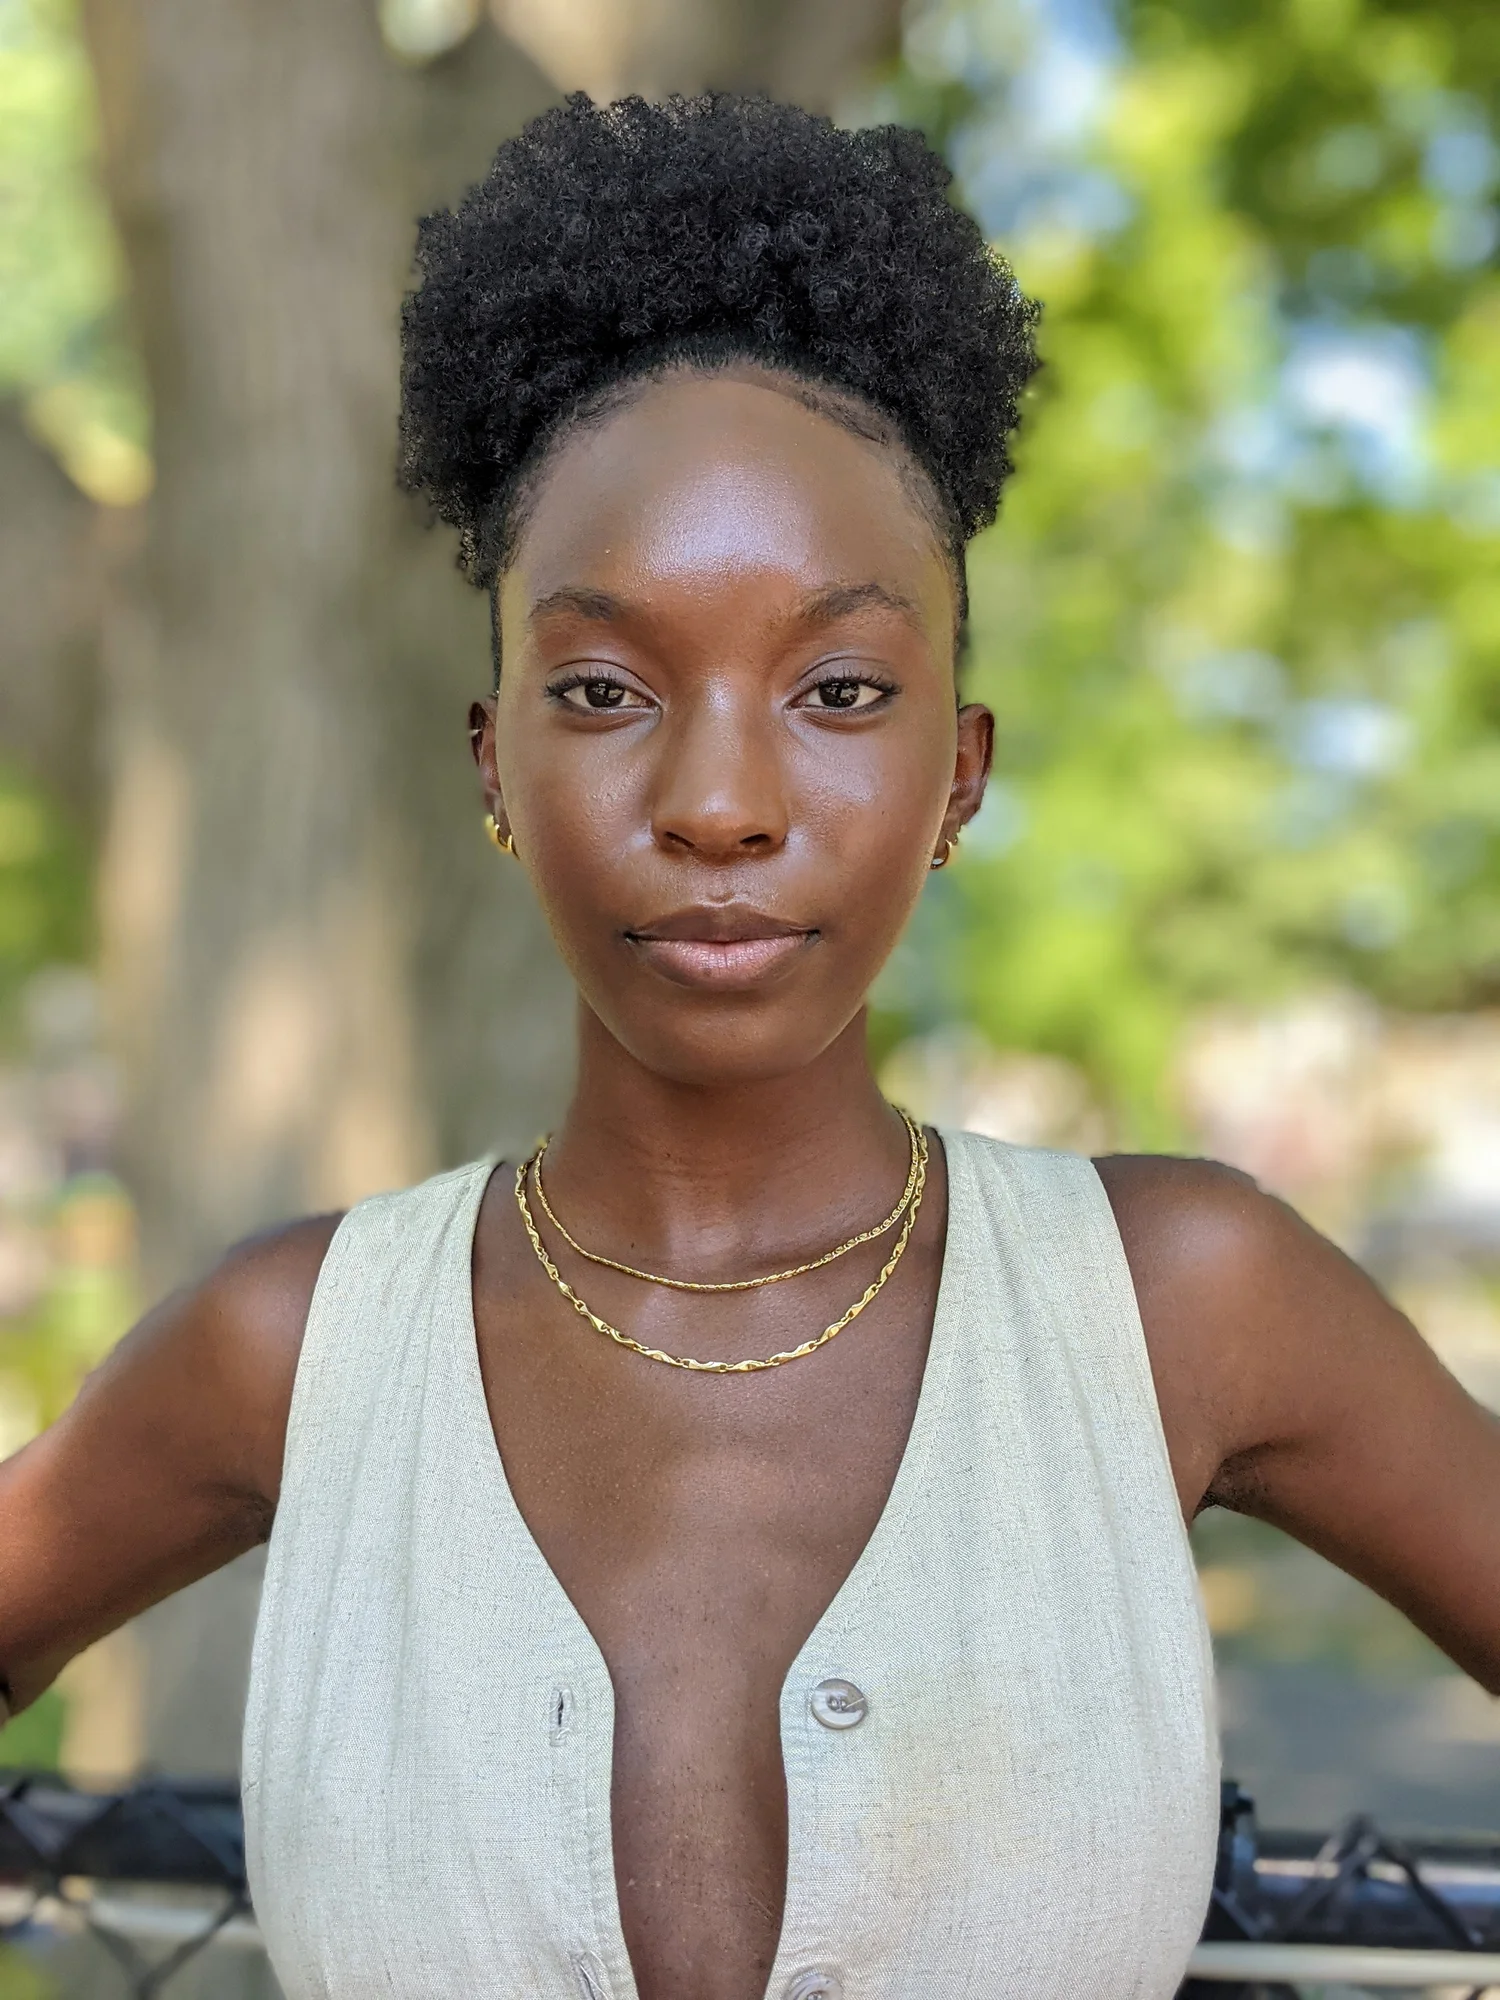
(942, 860)
(506, 842)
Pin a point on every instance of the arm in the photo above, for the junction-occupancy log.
(166, 1466)
(1293, 1390)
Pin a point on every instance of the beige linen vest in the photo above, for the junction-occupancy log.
(1023, 1805)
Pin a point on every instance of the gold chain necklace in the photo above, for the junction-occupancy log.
(752, 1367)
(737, 1284)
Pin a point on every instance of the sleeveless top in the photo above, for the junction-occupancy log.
(1012, 1792)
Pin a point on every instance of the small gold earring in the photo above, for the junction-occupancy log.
(942, 860)
(506, 842)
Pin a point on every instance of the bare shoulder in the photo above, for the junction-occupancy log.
(166, 1465)
(1188, 1218)
(208, 1373)
(1210, 1252)
(245, 1324)
(1204, 1244)
(1292, 1388)
(1252, 1318)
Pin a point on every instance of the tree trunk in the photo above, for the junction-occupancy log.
(294, 859)
(322, 979)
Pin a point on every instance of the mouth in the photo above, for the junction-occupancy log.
(728, 947)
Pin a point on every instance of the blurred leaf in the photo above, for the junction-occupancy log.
(1240, 622)
(33, 1742)
(44, 888)
(64, 341)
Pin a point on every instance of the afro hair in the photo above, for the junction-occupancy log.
(607, 242)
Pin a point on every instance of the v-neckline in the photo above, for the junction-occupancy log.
(926, 1418)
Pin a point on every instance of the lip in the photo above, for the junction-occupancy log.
(726, 947)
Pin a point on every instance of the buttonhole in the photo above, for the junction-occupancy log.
(560, 1714)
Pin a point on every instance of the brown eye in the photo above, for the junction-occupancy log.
(597, 694)
(843, 692)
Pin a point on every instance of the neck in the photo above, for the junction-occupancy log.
(776, 1165)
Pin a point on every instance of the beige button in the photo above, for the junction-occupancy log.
(816, 1983)
(838, 1705)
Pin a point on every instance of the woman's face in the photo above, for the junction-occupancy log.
(726, 739)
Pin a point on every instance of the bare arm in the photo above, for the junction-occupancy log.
(166, 1466)
(1293, 1390)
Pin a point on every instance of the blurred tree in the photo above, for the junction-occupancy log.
(69, 371)
(1241, 620)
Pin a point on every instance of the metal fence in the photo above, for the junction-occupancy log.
(157, 1875)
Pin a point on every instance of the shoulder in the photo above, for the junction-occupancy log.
(167, 1463)
(1252, 1319)
(218, 1358)
(254, 1304)
(1192, 1220)
(1291, 1388)
(1270, 1346)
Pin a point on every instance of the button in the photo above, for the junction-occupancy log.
(817, 1982)
(837, 1705)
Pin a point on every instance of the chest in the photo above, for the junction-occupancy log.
(701, 1525)
(440, 1745)
(695, 1511)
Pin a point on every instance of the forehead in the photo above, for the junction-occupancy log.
(703, 481)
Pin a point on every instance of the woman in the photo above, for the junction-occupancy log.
(742, 1550)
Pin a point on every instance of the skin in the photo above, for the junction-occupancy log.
(728, 748)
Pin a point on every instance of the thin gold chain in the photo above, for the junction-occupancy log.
(736, 1284)
(752, 1367)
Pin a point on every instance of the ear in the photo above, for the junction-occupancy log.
(971, 768)
(482, 744)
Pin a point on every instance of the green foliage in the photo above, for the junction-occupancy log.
(64, 344)
(1240, 622)
(87, 1303)
(33, 1742)
(20, 1979)
(44, 889)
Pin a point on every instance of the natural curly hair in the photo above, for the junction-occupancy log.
(610, 242)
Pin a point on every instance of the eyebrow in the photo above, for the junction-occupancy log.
(822, 607)
(595, 604)
(839, 600)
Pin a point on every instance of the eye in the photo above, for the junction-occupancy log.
(848, 692)
(596, 694)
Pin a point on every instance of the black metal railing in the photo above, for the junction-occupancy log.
(1359, 1888)
(58, 1844)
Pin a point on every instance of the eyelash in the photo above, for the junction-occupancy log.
(866, 679)
(560, 690)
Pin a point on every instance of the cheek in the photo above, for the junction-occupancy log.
(582, 823)
(874, 802)
(558, 784)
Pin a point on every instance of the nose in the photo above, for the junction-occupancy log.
(721, 785)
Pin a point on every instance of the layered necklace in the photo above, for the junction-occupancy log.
(905, 1213)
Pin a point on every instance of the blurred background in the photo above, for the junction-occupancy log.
(1236, 888)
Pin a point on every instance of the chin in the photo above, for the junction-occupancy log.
(721, 1052)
